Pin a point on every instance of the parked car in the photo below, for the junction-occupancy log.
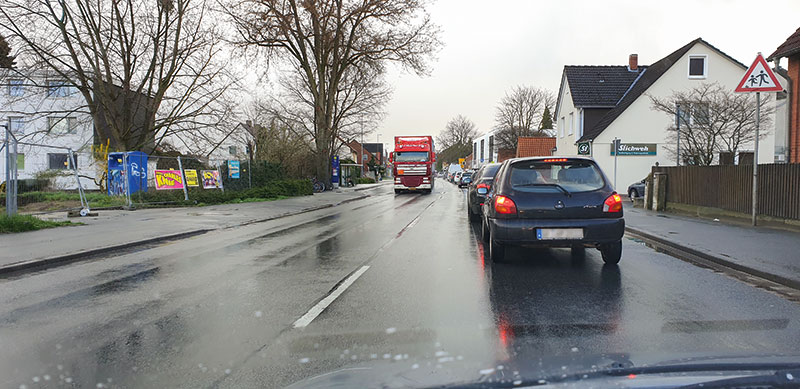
(457, 177)
(466, 178)
(481, 179)
(552, 202)
(636, 189)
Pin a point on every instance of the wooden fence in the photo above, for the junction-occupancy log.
(731, 188)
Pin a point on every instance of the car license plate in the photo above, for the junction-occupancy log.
(559, 233)
(412, 188)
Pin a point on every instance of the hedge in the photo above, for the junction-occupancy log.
(365, 180)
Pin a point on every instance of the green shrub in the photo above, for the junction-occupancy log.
(22, 223)
(365, 180)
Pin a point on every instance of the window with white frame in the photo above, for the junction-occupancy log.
(16, 88)
(62, 125)
(60, 161)
(16, 124)
(698, 66)
(59, 88)
(232, 150)
(561, 127)
(571, 123)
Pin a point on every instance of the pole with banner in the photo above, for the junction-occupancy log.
(758, 78)
(615, 143)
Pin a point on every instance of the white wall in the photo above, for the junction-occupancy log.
(476, 157)
(565, 143)
(641, 124)
(35, 106)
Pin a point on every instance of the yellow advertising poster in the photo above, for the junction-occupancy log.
(191, 177)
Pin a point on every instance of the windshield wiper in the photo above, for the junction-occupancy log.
(780, 378)
(566, 192)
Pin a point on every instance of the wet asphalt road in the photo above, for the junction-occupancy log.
(219, 310)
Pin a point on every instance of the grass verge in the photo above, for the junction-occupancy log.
(22, 223)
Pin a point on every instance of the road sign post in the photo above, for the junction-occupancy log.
(758, 78)
(616, 144)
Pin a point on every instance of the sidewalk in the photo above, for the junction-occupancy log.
(118, 228)
(764, 252)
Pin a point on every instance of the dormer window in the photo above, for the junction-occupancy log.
(698, 66)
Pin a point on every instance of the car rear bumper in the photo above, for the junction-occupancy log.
(523, 231)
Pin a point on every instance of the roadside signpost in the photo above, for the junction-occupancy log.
(584, 148)
(758, 78)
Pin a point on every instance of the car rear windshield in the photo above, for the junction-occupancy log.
(411, 156)
(540, 176)
(491, 171)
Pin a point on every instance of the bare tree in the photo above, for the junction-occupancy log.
(459, 131)
(325, 41)
(713, 119)
(6, 59)
(147, 70)
(520, 113)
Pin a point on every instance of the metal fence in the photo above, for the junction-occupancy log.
(118, 179)
(730, 188)
(14, 152)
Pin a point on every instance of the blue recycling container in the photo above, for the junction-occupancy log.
(136, 173)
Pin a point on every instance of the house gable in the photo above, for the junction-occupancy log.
(653, 73)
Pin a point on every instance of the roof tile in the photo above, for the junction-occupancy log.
(535, 146)
(790, 47)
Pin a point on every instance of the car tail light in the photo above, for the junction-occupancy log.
(487, 186)
(505, 205)
(613, 203)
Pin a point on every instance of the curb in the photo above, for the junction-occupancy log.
(74, 257)
(685, 253)
(46, 262)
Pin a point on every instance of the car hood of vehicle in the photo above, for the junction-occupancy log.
(433, 373)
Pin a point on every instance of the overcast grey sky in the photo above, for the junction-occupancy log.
(491, 46)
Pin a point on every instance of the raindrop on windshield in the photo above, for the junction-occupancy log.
(441, 353)
(574, 349)
(398, 357)
(227, 371)
(391, 330)
(59, 367)
(387, 356)
(68, 379)
(36, 379)
(46, 377)
(23, 386)
(486, 371)
(258, 313)
(517, 382)
(305, 360)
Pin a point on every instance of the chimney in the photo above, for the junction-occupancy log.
(633, 62)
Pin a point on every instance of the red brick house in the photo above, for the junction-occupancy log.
(791, 50)
(535, 146)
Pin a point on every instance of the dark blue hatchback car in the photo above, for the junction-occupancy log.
(553, 202)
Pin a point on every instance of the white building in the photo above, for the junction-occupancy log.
(597, 104)
(484, 150)
(42, 109)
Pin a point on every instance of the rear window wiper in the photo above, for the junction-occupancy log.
(561, 188)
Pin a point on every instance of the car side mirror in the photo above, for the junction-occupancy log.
(482, 191)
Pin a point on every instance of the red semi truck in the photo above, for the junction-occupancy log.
(413, 162)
